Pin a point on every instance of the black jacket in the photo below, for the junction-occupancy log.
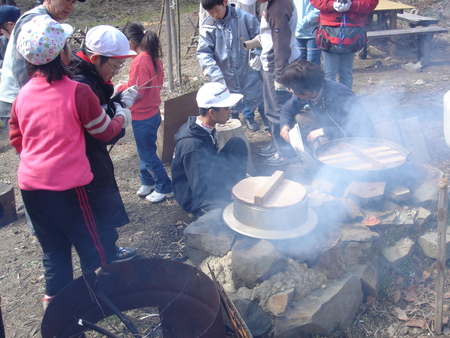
(339, 109)
(103, 188)
(193, 177)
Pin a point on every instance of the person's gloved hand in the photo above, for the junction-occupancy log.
(279, 87)
(128, 96)
(124, 112)
(255, 63)
(342, 7)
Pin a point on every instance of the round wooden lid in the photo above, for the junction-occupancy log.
(286, 193)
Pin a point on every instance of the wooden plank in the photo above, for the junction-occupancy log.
(387, 33)
(441, 251)
(271, 184)
(176, 113)
(417, 20)
(365, 157)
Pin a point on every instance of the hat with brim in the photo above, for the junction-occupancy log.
(108, 41)
(215, 94)
(247, 2)
(41, 39)
(9, 13)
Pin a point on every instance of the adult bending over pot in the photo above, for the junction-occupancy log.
(323, 108)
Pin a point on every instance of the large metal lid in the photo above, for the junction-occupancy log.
(301, 229)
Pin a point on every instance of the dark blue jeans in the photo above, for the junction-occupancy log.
(152, 171)
(309, 50)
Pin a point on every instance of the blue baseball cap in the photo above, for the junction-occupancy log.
(9, 13)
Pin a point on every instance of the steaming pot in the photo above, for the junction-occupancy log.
(361, 157)
(270, 208)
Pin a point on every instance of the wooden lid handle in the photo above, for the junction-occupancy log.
(268, 187)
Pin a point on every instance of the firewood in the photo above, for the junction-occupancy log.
(240, 328)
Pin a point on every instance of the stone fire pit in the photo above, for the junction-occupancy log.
(315, 284)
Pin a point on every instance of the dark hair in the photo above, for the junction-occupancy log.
(147, 40)
(209, 4)
(302, 75)
(204, 111)
(54, 70)
(103, 58)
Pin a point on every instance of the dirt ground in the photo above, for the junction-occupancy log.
(156, 230)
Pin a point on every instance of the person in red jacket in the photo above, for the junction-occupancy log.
(147, 74)
(346, 16)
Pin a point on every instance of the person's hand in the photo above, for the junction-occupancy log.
(279, 87)
(342, 7)
(315, 134)
(124, 113)
(284, 133)
(128, 96)
(255, 63)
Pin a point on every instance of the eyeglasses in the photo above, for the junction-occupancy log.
(115, 69)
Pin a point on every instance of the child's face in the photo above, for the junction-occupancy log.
(110, 68)
(218, 11)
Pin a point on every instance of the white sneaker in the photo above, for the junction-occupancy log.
(156, 197)
(144, 190)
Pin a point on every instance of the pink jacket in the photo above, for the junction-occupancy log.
(47, 129)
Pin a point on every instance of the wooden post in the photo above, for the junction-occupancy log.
(233, 128)
(441, 248)
(169, 44)
(2, 327)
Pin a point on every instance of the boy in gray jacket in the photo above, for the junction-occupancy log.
(223, 58)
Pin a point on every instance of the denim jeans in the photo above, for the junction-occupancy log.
(342, 64)
(309, 50)
(151, 168)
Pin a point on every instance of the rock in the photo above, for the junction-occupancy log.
(419, 82)
(413, 67)
(399, 252)
(365, 193)
(399, 194)
(352, 210)
(324, 310)
(254, 261)
(422, 216)
(426, 194)
(359, 244)
(221, 266)
(257, 321)
(209, 234)
(279, 303)
(368, 273)
(428, 244)
(375, 52)
(297, 276)
(323, 186)
(330, 261)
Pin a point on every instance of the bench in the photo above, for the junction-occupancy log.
(424, 37)
(416, 20)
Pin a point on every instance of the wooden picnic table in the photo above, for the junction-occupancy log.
(386, 17)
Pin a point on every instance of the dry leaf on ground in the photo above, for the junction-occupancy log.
(401, 314)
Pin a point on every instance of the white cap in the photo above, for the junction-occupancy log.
(108, 41)
(247, 2)
(215, 94)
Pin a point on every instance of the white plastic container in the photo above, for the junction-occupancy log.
(447, 117)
